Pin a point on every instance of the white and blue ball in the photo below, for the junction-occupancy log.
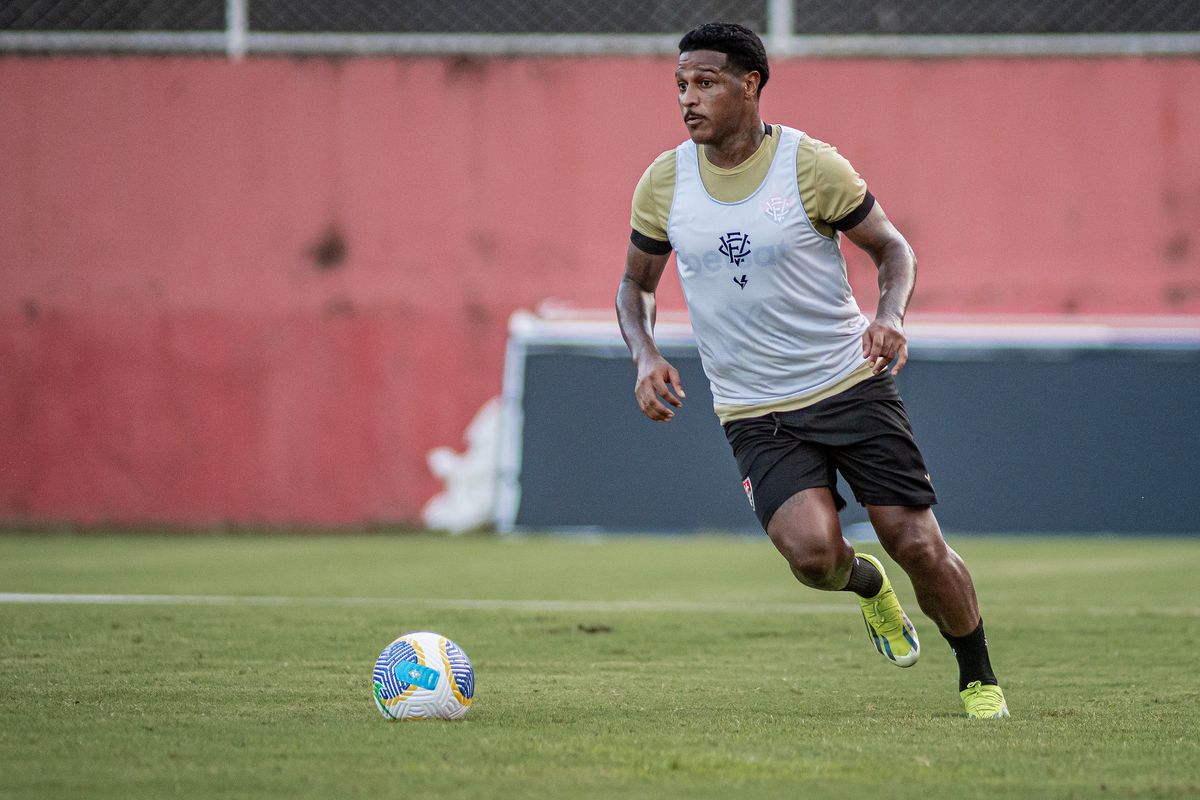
(423, 676)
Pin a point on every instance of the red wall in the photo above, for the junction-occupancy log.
(173, 349)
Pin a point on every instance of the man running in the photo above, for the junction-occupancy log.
(799, 376)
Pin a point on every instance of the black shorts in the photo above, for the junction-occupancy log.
(863, 432)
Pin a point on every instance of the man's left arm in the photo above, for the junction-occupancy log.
(884, 339)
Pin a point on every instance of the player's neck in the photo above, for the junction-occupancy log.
(737, 147)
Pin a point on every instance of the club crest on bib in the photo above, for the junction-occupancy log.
(735, 245)
(776, 208)
(749, 492)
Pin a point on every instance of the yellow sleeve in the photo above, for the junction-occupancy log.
(652, 198)
(829, 186)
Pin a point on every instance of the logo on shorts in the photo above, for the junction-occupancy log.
(749, 492)
(736, 246)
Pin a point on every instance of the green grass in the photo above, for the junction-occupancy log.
(725, 679)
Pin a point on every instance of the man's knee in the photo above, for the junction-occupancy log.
(806, 531)
(918, 552)
(911, 536)
(822, 568)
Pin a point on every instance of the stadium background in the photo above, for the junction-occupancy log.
(240, 286)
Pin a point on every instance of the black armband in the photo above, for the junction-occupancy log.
(857, 215)
(647, 245)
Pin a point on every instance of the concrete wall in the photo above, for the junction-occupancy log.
(260, 292)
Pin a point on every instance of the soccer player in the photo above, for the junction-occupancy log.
(800, 378)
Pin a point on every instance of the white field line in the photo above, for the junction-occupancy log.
(600, 606)
(425, 602)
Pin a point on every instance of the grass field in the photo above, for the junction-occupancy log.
(628, 667)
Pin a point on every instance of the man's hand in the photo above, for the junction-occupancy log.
(884, 340)
(635, 315)
(658, 379)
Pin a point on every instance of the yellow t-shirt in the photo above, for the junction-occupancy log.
(829, 187)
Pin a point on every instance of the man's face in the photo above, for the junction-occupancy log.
(714, 99)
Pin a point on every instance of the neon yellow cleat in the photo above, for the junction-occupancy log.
(984, 702)
(888, 626)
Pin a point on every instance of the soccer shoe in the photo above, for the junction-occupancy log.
(887, 625)
(984, 702)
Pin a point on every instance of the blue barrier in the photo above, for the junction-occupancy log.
(1025, 429)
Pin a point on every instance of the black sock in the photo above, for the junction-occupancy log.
(972, 654)
(865, 580)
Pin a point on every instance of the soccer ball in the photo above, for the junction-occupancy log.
(423, 676)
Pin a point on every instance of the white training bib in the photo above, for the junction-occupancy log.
(767, 294)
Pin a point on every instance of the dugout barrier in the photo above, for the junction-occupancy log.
(1027, 426)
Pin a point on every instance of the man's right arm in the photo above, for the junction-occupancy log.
(657, 380)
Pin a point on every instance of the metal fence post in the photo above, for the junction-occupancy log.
(237, 14)
(780, 27)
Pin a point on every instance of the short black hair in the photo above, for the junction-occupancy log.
(742, 45)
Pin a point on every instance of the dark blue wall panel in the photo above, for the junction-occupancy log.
(1017, 439)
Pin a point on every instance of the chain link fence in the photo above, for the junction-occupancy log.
(944, 17)
(497, 16)
(112, 15)
(790, 27)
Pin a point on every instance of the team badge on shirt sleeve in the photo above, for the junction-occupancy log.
(749, 492)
